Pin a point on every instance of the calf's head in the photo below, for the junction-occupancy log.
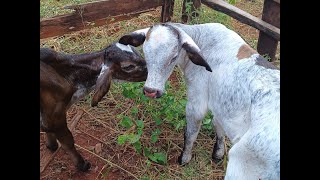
(122, 62)
(163, 46)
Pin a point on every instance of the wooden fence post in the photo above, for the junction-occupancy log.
(271, 14)
(167, 10)
(194, 7)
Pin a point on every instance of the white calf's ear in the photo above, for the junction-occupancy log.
(195, 56)
(192, 50)
(135, 38)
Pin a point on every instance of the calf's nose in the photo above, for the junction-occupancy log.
(152, 93)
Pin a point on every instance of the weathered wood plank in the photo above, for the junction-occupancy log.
(97, 13)
(244, 17)
(167, 10)
(271, 14)
(195, 6)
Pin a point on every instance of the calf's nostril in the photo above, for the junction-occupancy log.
(150, 92)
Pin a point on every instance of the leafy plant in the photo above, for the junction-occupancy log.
(160, 158)
(126, 122)
(233, 2)
(155, 135)
(169, 109)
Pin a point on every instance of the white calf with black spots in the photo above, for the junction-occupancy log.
(226, 76)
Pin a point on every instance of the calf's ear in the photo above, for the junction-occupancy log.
(195, 56)
(102, 85)
(192, 49)
(135, 38)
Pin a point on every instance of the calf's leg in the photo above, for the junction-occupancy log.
(51, 144)
(195, 112)
(65, 137)
(218, 148)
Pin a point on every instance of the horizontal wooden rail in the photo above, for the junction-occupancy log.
(244, 17)
(94, 14)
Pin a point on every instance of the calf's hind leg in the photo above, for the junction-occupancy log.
(218, 148)
(51, 144)
(65, 137)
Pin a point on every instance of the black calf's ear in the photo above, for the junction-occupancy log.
(102, 86)
(136, 38)
(132, 39)
(195, 56)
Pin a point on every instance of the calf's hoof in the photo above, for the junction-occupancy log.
(183, 160)
(180, 160)
(52, 147)
(84, 166)
(216, 159)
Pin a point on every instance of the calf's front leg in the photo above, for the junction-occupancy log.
(194, 116)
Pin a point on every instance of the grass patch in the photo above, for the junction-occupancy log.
(50, 8)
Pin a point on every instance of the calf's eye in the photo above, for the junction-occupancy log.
(128, 67)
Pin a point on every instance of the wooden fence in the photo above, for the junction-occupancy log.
(99, 13)
(269, 25)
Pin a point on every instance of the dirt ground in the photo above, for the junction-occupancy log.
(95, 132)
(92, 141)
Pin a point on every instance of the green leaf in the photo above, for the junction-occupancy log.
(126, 122)
(233, 2)
(122, 139)
(144, 98)
(170, 116)
(154, 135)
(148, 163)
(139, 131)
(180, 124)
(207, 121)
(145, 177)
(153, 158)
(119, 116)
(154, 138)
(134, 111)
(160, 158)
(156, 132)
(137, 146)
(183, 102)
(140, 124)
(128, 93)
(133, 138)
(171, 99)
(146, 151)
(158, 121)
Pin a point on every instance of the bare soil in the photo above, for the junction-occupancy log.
(95, 132)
